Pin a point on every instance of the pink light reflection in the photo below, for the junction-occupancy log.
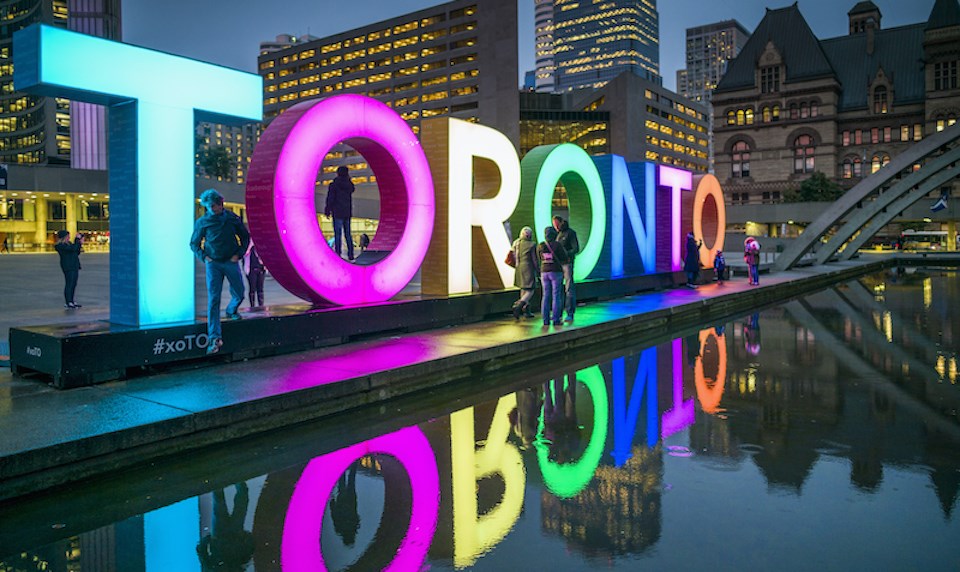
(300, 544)
(683, 413)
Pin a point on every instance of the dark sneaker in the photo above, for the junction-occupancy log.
(234, 316)
(557, 323)
(569, 319)
(214, 346)
(516, 312)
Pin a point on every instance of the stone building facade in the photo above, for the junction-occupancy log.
(792, 104)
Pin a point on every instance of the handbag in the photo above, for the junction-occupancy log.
(511, 259)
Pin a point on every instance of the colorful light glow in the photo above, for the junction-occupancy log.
(710, 391)
(624, 198)
(468, 141)
(154, 99)
(568, 479)
(708, 187)
(683, 413)
(572, 166)
(473, 534)
(281, 184)
(625, 414)
(675, 180)
(300, 544)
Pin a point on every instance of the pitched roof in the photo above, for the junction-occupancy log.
(863, 7)
(898, 51)
(788, 30)
(945, 13)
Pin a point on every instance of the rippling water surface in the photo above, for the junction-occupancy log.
(819, 434)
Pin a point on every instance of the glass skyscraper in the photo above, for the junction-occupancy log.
(595, 42)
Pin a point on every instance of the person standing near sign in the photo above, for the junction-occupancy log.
(219, 240)
(567, 238)
(340, 206)
(552, 258)
(70, 265)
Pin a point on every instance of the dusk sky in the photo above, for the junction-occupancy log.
(229, 32)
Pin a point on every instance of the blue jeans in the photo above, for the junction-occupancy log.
(216, 271)
(552, 296)
(755, 273)
(342, 226)
(568, 285)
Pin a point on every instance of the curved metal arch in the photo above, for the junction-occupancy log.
(864, 219)
(898, 206)
(868, 186)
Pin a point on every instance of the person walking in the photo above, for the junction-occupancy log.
(691, 264)
(70, 265)
(527, 269)
(6, 245)
(552, 257)
(567, 237)
(340, 207)
(219, 240)
(256, 272)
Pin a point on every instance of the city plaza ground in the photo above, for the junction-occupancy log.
(52, 436)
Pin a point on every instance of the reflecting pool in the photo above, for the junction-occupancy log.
(822, 434)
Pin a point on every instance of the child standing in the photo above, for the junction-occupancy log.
(719, 266)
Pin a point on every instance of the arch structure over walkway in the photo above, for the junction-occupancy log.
(878, 198)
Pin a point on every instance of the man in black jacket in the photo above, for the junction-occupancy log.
(340, 206)
(219, 240)
(567, 238)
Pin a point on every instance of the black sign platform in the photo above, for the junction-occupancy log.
(76, 355)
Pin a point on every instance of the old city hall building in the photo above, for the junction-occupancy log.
(791, 104)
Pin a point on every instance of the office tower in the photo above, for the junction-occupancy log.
(457, 59)
(709, 48)
(543, 22)
(47, 130)
(630, 116)
(594, 43)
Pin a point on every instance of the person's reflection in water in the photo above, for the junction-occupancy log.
(523, 419)
(560, 429)
(751, 335)
(343, 506)
(229, 546)
(692, 342)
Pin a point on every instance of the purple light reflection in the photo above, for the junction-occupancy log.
(683, 413)
(300, 545)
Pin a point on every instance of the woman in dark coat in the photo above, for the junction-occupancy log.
(527, 270)
(70, 265)
(691, 264)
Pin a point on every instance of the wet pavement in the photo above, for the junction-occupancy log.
(819, 433)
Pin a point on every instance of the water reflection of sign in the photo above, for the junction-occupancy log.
(567, 479)
(624, 415)
(474, 534)
(300, 549)
(710, 390)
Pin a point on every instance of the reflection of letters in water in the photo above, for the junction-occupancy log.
(229, 546)
(303, 523)
(343, 506)
(474, 534)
